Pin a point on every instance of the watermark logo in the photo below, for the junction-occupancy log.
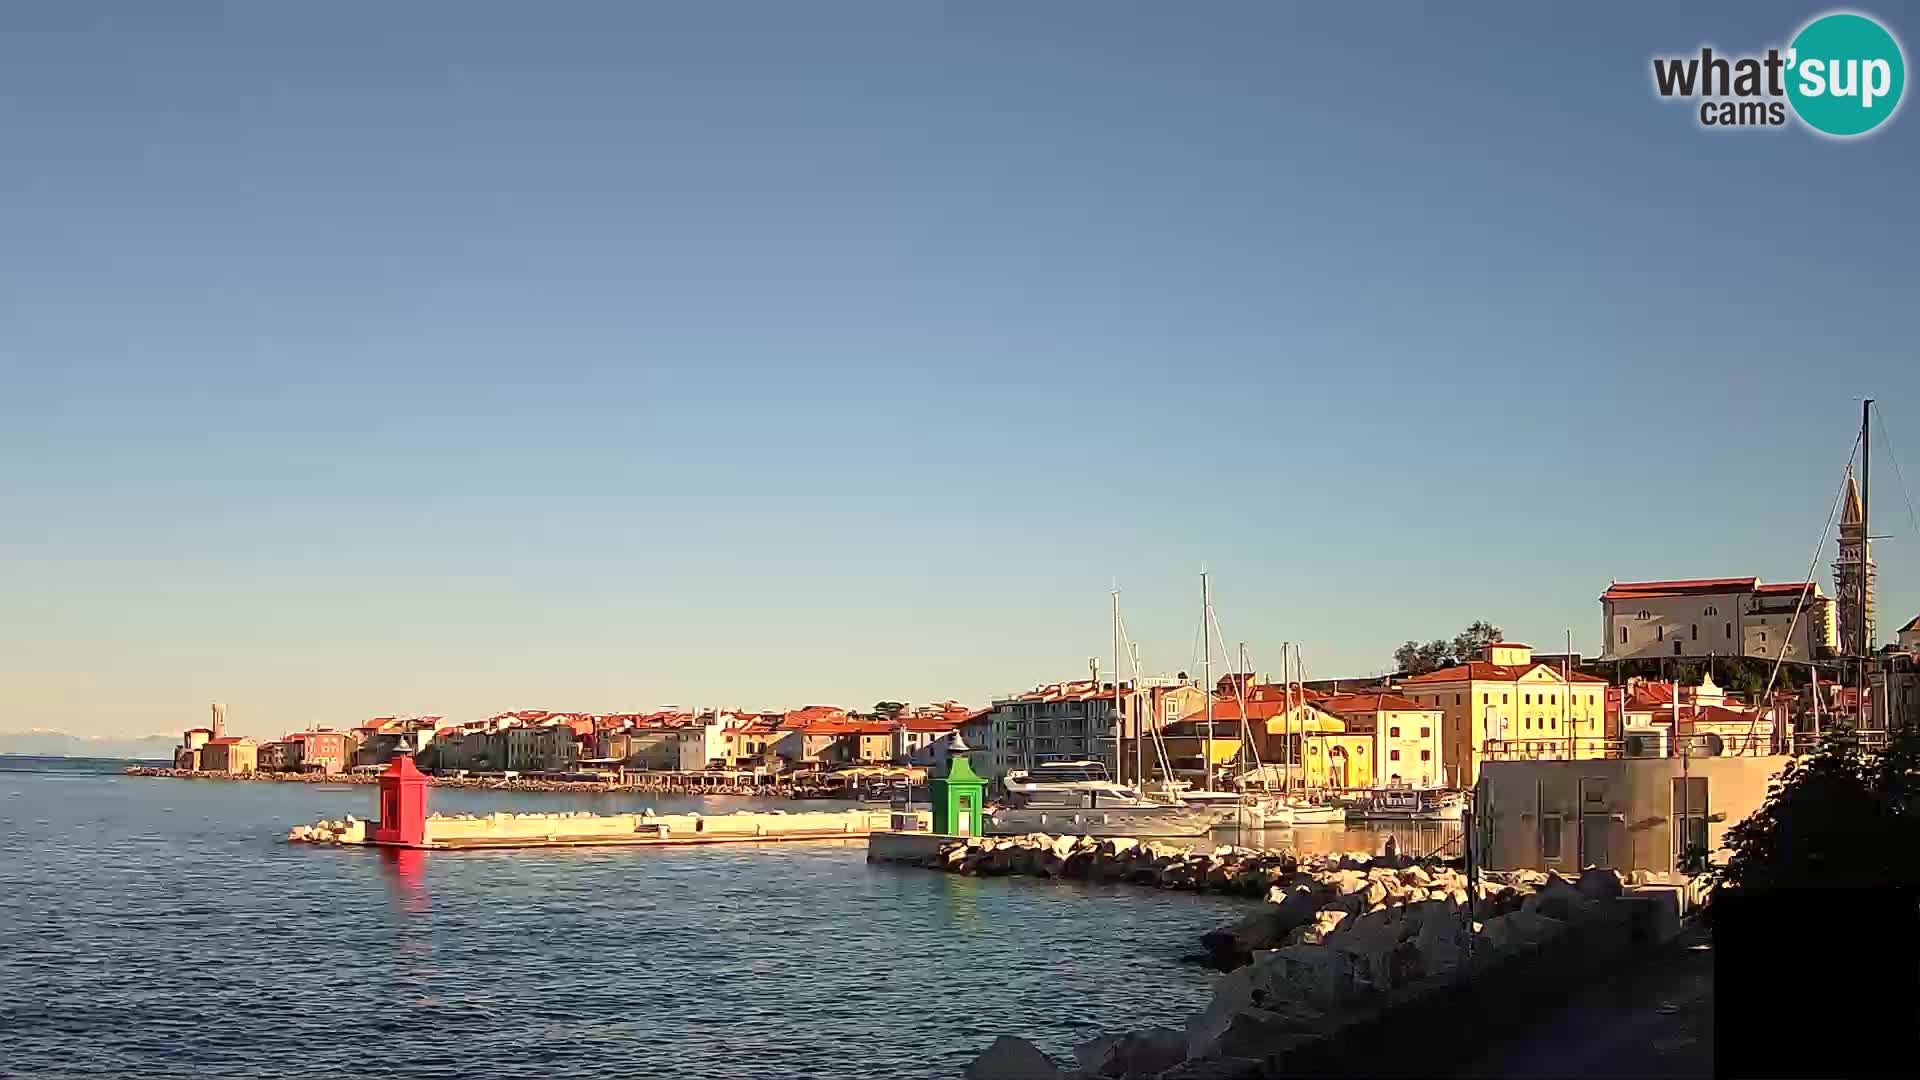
(1842, 76)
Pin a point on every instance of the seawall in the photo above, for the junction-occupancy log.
(507, 830)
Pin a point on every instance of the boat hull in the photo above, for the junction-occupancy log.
(1404, 805)
(1105, 821)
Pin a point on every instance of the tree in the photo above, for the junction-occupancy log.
(1413, 658)
(1840, 817)
(888, 710)
(1472, 641)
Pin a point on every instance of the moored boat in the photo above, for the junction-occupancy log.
(1408, 804)
(1075, 797)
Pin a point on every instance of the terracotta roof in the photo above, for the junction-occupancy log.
(801, 717)
(1075, 690)
(848, 727)
(209, 731)
(1912, 624)
(1372, 703)
(1718, 714)
(228, 740)
(1485, 672)
(1795, 587)
(927, 724)
(1651, 590)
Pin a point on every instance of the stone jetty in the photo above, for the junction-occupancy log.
(509, 830)
(1336, 937)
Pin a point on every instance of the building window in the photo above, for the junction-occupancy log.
(1763, 635)
(1623, 635)
(1503, 699)
(1484, 697)
(1526, 699)
(1550, 837)
(1689, 820)
(1426, 733)
(1729, 631)
(1644, 616)
(1711, 610)
(1659, 633)
(1696, 631)
(1394, 732)
(1676, 648)
(1393, 755)
(1456, 699)
(1426, 755)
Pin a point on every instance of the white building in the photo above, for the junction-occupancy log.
(1716, 617)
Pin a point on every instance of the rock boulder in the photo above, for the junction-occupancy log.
(1012, 1059)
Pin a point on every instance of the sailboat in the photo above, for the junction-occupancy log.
(1288, 807)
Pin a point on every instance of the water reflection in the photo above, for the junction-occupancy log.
(405, 870)
(961, 896)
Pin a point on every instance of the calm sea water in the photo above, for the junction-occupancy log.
(157, 927)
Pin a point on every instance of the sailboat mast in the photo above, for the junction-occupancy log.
(1300, 675)
(1140, 708)
(1566, 697)
(1286, 721)
(1866, 560)
(1206, 653)
(1119, 764)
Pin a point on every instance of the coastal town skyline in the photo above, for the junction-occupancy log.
(697, 372)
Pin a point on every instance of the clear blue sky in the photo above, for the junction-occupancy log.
(459, 357)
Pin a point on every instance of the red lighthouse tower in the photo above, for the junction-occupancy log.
(403, 805)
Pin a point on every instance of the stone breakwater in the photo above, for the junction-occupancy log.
(662, 787)
(503, 829)
(1336, 936)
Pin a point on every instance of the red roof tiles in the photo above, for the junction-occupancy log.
(1372, 703)
(1652, 590)
(1485, 672)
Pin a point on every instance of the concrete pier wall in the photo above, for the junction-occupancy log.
(504, 828)
(905, 847)
(542, 830)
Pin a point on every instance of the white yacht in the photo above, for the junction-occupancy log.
(1408, 804)
(1283, 811)
(1076, 798)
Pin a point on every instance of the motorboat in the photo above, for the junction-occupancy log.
(1181, 791)
(1057, 776)
(1408, 804)
(1075, 798)
(1287, 811)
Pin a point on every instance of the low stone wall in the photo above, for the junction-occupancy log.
(507, 829)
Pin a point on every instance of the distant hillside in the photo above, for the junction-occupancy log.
(61, 744)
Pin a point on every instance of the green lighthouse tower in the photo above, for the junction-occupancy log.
(957, 794)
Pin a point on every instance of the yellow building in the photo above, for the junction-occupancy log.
(229, 755)
(1306, 742)
(1338, 759)
(1406, 736)
(1508, 697)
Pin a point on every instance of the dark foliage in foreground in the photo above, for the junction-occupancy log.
(1841, 817)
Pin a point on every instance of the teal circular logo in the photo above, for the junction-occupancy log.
(1845, 74)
